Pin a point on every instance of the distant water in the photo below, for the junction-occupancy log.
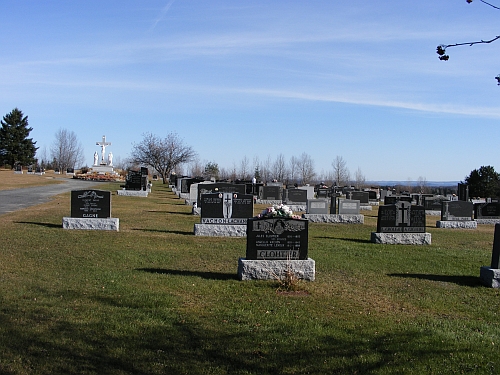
(413, 183)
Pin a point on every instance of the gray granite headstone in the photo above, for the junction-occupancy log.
(349, 207)
(317, 206)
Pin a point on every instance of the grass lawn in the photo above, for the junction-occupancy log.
(10, 180)
(154, 299)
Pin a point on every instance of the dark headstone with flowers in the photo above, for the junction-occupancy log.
(277, 234)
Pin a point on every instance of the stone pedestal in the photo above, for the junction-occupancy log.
(91, 223)
(465, 224)
(488, 221)
(132, 193)
(220, 230)
(276, 269)
(490, 277)
(338, 219)
(401, 238)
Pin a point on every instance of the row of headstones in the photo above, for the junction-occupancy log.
(268, 239)
(40, 170)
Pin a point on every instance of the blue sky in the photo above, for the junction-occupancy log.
(236, 79)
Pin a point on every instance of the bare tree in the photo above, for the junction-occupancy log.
(341, 174)
(195, 167)
(163, 155)
(66, 151)
(441, 49)
(359, 179)
(293, 170)
(306, 168)
(279, 168)
(422, 184)
(265, 169)
(245, 168)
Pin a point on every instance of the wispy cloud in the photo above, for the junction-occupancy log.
(162, 14)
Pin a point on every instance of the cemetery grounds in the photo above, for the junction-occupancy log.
(155, 299)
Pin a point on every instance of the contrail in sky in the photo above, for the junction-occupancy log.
(162, 14)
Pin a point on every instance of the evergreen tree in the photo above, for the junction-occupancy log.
(484, 182)
(15, 146)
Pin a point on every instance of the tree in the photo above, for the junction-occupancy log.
(340, 172)
(15, 146)
(306, 168)
(279, 168)
(211, 170)
(67, 151)
(163, 155)
(359, 178)
(441, 49)
(483, 182)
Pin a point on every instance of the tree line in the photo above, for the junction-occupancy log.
(169, 154)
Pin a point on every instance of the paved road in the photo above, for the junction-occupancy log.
(12, 200)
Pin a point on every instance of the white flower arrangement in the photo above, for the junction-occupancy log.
(278, 210)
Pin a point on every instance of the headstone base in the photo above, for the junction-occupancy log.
(401, 238)
(133, 193)
(457, 224)
(196, 211)
(91, 223)
(365, 207)
(220, 230)
(487, 221)
(18, 172)
(337, 219)
(432, 213)
(490, 277)
(268, 202)
(275, 269)
(298, 207)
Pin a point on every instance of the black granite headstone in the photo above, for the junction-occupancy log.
(226, 208)
(90, 204)
(219, 187)
(296, 196)
(457, 211)
(277, 239)
(487, 210)
(361, 196)
(495, 256)
(401, 217)
(271, 193)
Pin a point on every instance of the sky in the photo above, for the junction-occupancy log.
(254, 79)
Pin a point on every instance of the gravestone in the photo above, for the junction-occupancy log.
(91, 203)
(70, 170)
(349, 207)
(401, 223)
(401, 217)
(487, 212)
(91, 209)
(294, 196)
(317, 206)
(457, 215)
(226, 208)
(19, 169)
(271, 193)
(463, 192)
(362, 196)
(57, 171)
(457, 211)
(276, 249)
(30, 170)
(490, 276)
(224, 214)
(219, 187)
(277, 239)
(323, 193)
(433, 203)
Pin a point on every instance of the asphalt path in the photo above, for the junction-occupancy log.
(17, 199)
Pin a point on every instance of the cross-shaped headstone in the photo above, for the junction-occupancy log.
(103, 145)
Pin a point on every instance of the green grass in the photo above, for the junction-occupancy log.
(155, 299)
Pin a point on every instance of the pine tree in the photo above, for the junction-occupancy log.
(15, 146)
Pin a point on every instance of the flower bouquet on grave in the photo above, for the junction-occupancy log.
(278, 210)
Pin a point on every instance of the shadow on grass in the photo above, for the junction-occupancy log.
(170, 342)
(169, 212)
(357, 240)
(202, 274)
(459, 280)
(184, 233)
(47, 225)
